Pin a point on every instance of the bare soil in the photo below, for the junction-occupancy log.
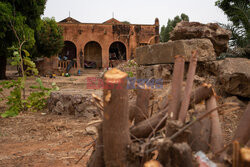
(34, 139)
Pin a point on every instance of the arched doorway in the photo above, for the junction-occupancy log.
(67, 58)
(69, 51)
(92, 55)
(117, 51)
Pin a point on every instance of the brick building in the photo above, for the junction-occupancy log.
(101, 43)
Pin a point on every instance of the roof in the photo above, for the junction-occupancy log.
(112, 21)
(69, 20)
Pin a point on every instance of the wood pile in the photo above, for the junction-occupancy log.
(167, 138)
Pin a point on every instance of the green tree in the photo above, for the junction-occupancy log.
(165, 30)
(49, 39)
(238, 12)
(42, 37)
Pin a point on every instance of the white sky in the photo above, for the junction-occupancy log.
(134, 11)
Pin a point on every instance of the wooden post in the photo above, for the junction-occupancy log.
(188, 88)
(216, 133)
(142, 105)
(116, 118)
(176, 87)
(242, 133)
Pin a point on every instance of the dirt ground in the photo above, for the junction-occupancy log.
(44, 139)
(34, 139)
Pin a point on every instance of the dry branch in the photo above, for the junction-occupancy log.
(201, 93)
(116, 135)
(177, 80)
(188, 88)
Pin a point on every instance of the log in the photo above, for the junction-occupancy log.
(216, 132)
(116, 135)
(145, 128)
(242, 133)
(201, 93)
(142, 105)
(200, 133)
(97, 157)
(181, 155)
(188, 88)
(176, 89)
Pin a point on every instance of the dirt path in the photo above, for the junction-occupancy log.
(43, 140)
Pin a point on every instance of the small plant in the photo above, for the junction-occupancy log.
(37, 100)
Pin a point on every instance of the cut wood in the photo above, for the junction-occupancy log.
(201, 93)
(142, 105)
(146, 127)
(116, 135)
(176, 89)
(97, 157)
(216, 132)
(242, 133)
(188, 88)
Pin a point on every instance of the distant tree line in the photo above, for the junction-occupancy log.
(165, 30)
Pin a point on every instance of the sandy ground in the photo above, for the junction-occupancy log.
(44, 139)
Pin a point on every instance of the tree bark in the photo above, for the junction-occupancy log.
(142, 104)
(216, 133)
(3, 60)
(242, 133)
(144, 128)
(188, 88)
(116, 118)
(176, 89)
(97, 157)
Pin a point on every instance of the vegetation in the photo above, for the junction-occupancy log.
(24, 16)
(238, 13)
(165, 30)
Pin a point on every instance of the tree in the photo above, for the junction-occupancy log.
(42, 37)
(49, 39)
(238, 12)
(165, 30)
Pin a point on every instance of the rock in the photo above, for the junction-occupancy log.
(91, 130)
(212, 31)
(71, 102)
(163, 53)
(159, 71)
(234, 76)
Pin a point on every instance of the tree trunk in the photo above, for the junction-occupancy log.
(116, 136)
(96, 159)
(216, 132)
(142, 104)
(242, 133)
(176, 89)
(3, 60)
(188, 88)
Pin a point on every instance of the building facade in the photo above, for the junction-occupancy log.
(99, 44)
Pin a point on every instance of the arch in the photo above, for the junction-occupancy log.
(117, 51)
(92, 55)
(68, 51)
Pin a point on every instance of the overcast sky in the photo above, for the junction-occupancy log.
(134, 11)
